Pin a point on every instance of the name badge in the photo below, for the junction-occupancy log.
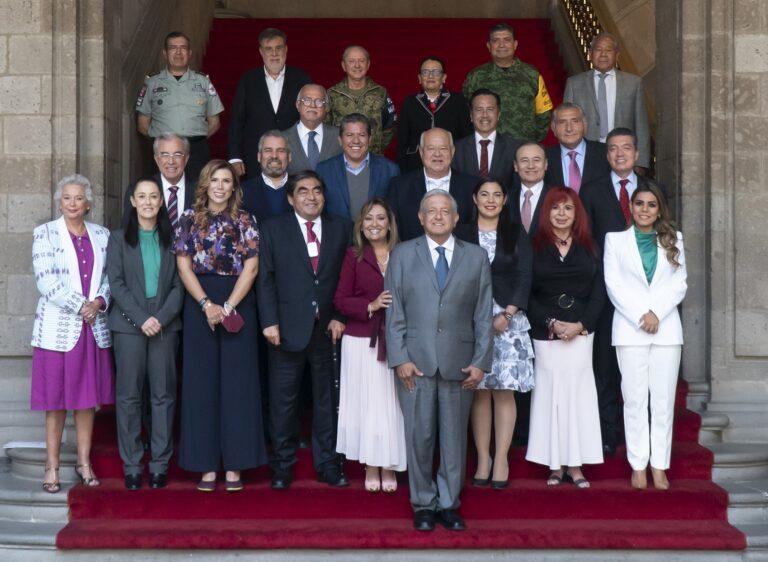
(312, 249)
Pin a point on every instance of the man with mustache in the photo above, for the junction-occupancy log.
(264, 196)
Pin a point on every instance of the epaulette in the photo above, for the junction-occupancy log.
(200, 73)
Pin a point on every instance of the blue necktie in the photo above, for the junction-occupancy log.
(313, 152)
(441, 268)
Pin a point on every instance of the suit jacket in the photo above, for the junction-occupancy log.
(502, 162)
(514, 207)
(58, 323)
(629, 112)
(633, 296)
(125, 269)
(437, 330)
(405, 193)
(595, 164)
(252, 113)
(257, 197)
(334, 174)
(451, 114)
(190, 185)
(510, 272)
(289, 293)
(299, 161)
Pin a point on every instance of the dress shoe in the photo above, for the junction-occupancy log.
(424, 520)
(281, 480)
(639, 480)
(451, 520)
(333, 477)
(158, 480)
(499, 484)
(660, 481)
(609, 449)
(233, 485)
(133, 481)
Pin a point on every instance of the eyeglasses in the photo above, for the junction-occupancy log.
(309, 102)
(177, 48)
(434, 73)
(172, 156)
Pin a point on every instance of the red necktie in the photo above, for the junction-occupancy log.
(484, 157)
(432, 105)
(312, 238)
(624, 199)
(173, 206)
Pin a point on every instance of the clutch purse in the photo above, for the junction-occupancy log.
(233, 323)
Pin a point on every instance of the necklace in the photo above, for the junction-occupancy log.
(561, 241)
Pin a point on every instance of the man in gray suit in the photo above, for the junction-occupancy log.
(440, 341)
(611, 98)
(310, 140)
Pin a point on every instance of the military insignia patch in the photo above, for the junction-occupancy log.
(142, 93)
(211, 89)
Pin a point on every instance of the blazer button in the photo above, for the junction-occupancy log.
(317, 282)
(439, 330)
(314, 303)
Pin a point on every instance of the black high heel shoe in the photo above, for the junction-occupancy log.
(482, 482)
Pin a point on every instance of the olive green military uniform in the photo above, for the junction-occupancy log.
(373, 102)
(181, 106)
(525, 103)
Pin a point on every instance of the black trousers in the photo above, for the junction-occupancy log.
(607, 377)
(286, 369)
(199, 155)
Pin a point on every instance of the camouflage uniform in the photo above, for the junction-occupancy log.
(525, 103)
(373, 102)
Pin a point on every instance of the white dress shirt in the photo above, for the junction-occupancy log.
(537, 189)
(448, 250)
(275, 87)
(180, 193)
(443, 183)
(565, 160)
(631, 186)
(268, 181)
(610, 95)
(303, 132)
(478, 148)
(317, 228)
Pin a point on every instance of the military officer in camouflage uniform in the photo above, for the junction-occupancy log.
(359, 94)
(524, 96)
(182, 101)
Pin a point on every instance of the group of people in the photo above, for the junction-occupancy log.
(490, 266)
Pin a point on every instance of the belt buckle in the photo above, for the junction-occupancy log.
(565, 301)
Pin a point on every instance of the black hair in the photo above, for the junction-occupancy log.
(131, 224)
(507, 230)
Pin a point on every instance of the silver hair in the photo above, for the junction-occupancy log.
(604, 35)
(325, 92)
(346, 52)
(274, 133)
(421, 138)
(75, 179)
(564, 106)
(169, 136)
(438, 193)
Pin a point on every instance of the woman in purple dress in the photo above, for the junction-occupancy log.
(71, 363)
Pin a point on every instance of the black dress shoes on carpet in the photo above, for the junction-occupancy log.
(609, 449)
(158, 480)
(133, 481)
(333, 477)
(281, 480)
(451, 520)
(424, 520)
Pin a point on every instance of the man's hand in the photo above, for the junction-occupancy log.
(272, 333)
(335, 330)
(406, 372)
(151, 327)
(475, 377)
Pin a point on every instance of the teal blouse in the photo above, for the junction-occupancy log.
(150, 257)
(646, 244)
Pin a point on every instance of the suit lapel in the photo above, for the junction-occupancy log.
(591, 89)
(498, 154)
(458, 255)
(422, 251)
(329, 236)
(327, 144)
(294, 232)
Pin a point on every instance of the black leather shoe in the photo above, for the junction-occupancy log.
(451, 520)
(281, 480)
(333, 477)
(480, 482)
(133, 481)
(158, 480)
(499, 484)
(609, 449)
(424, 520)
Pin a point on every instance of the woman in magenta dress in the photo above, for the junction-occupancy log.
(71, 363)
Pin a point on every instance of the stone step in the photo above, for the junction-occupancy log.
(747, 501)
(29, 463)
(28, 537)
(712, 426)
(757, 536)
(739, 461)
(24, 500)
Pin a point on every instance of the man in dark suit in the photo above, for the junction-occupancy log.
(405, 192)
(606, 201)
(265, 196)
(525, 201)
(575, 161)
(356, 175)
(310, 140)
(264, 100)
(301, 257)
(487, 152)
(171, 156)
(440, 341)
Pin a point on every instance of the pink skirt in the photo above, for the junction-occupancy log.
(73, 380)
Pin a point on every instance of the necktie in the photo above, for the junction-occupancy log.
(312, 238)
(624, 199)
(574, 175)
(173, 206)
(441, 268)
(602, 106)
(525, 212)
(313, 152)
(484, 157)
(432, 105)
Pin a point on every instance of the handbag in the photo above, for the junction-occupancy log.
(233, 322)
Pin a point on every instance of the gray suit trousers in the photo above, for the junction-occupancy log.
(139, 359)
(435, 407)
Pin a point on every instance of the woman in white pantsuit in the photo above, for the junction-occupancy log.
(646, 279)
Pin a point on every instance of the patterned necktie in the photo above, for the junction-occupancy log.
(484, 157)
(173, 206)
(624, 199)
(602, 105)
(525, 212)
(574, 175)
(441, 268)
(432, 105)
(312, 238)
(313, 152)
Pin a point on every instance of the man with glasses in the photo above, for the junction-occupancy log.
(310, 140)
(181, 100)
(264, 100)
(433, 106)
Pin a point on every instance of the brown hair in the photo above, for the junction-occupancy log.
(201, 193)
(666, 231)
(358, 238)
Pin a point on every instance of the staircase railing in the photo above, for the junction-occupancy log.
(583, 25)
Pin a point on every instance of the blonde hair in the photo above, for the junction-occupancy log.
(358, 238)
(201, 193)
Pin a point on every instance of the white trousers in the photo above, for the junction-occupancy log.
(648, 369)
